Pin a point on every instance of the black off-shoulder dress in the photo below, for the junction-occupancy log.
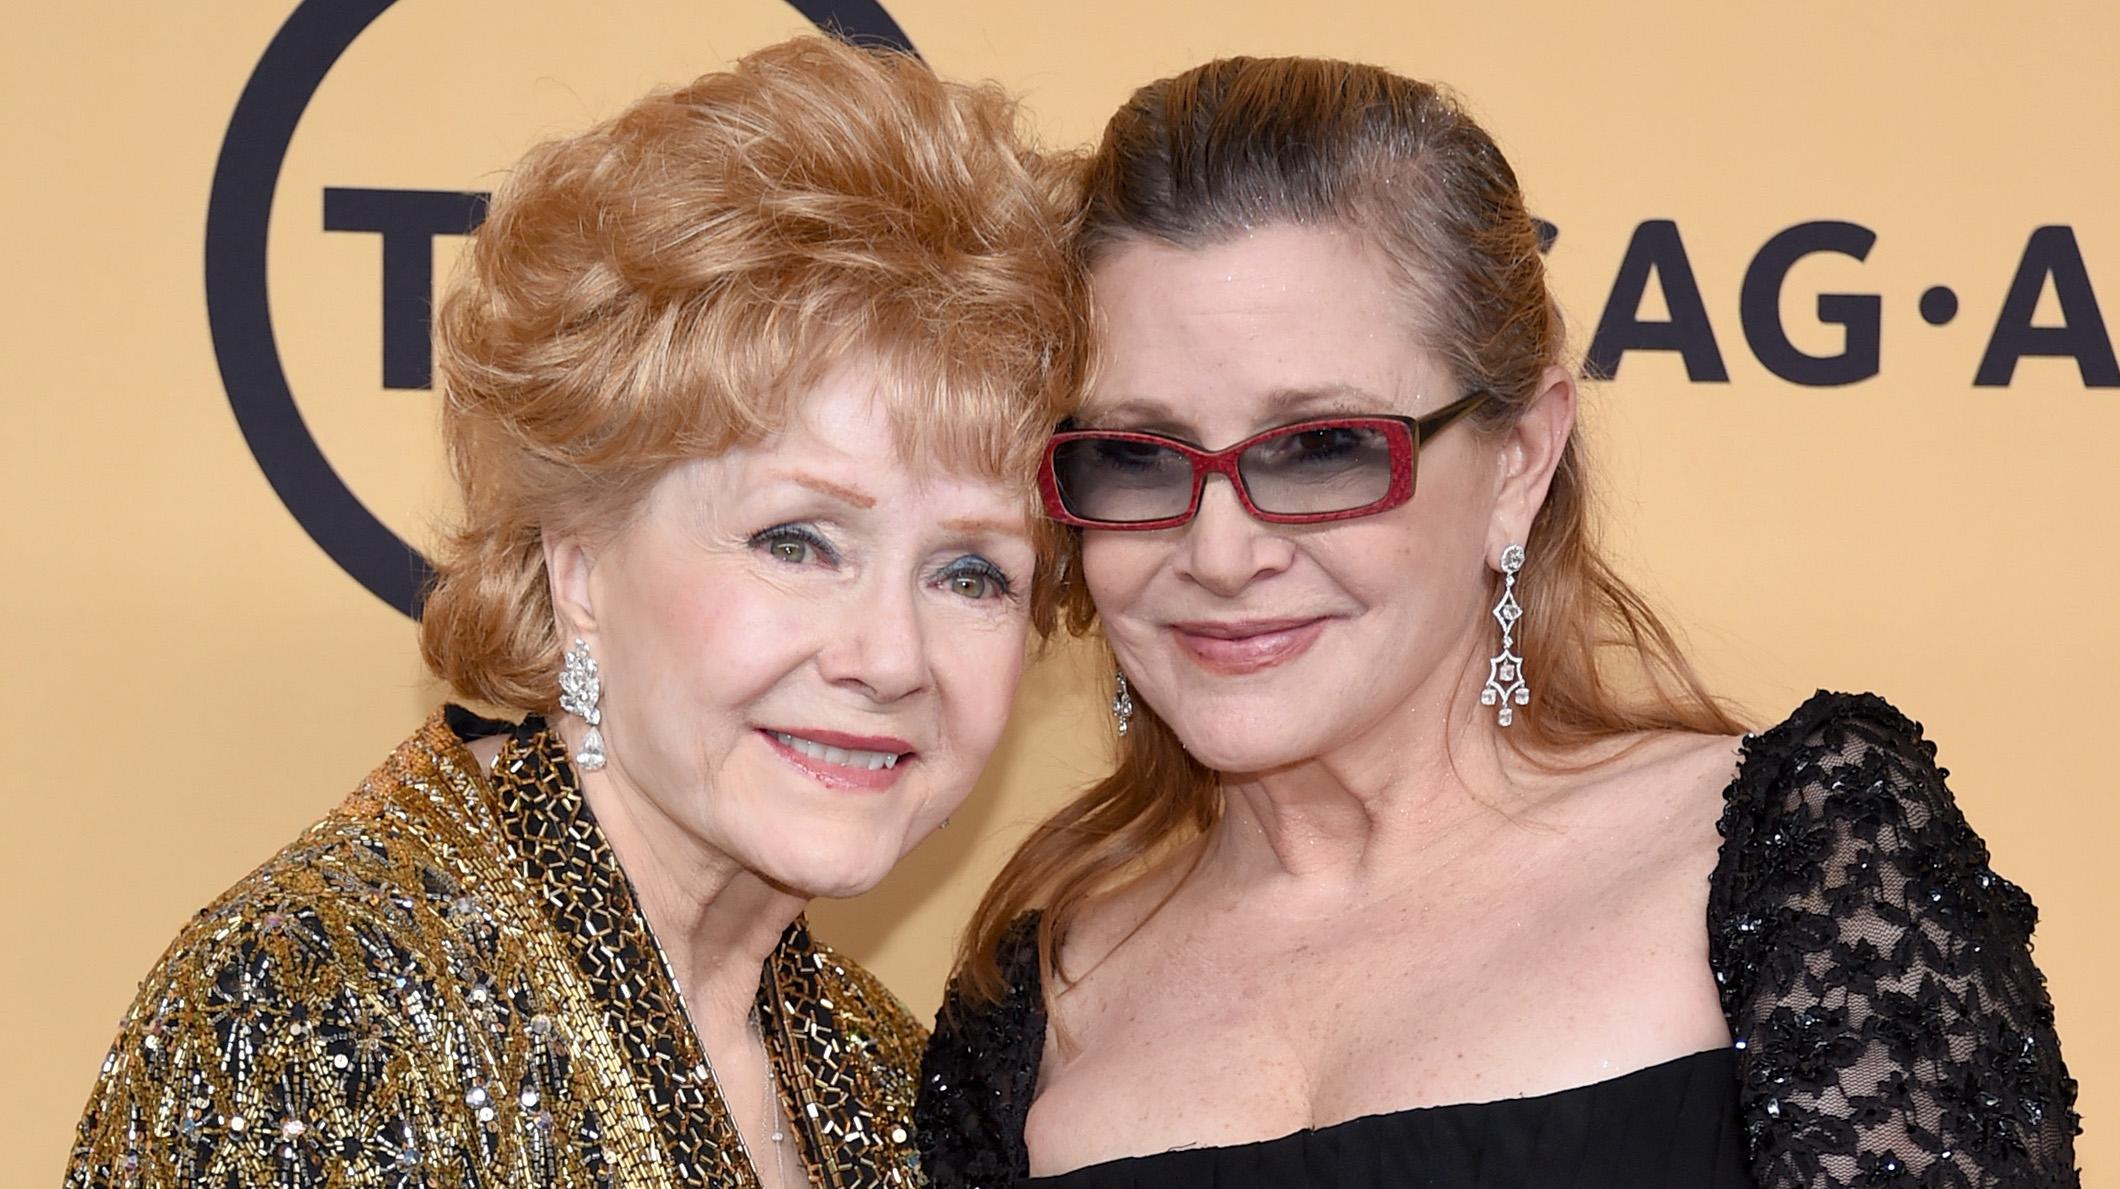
(1890, 1029)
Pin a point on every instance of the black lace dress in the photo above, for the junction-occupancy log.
(1889, 1027)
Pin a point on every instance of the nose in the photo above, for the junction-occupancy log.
(1225, 549)
(880, 647)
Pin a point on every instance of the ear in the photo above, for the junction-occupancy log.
(1531, 450)
(570, 566)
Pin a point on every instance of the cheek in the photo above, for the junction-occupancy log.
(978, 670)
(1416, 583)
(1117, 568)
(723, 637)
(1383, 561)
(1378, 564)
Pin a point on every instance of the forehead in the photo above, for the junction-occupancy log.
(853, 439)
(1277, 319)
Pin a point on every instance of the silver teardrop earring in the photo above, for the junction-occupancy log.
(581, 688)
(1123, 704)
(1506, 686)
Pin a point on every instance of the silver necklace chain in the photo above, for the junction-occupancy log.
(773, 1115)
(774, 1131)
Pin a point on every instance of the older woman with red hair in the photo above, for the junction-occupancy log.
(743, 393)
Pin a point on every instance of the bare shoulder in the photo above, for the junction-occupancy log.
(1637, 858)
(1686, 770)
(1664, 790)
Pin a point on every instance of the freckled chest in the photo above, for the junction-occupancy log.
(1549, 971)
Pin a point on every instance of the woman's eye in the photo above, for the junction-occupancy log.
(1326, 441)
(977, 579)
(795, 544)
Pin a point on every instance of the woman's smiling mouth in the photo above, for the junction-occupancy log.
(1233, 647)
(839, 760)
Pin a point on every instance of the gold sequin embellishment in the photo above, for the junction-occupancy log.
(448, 982)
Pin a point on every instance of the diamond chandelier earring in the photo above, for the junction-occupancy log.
(581, 688)
(1123, 704)
(1506, 686)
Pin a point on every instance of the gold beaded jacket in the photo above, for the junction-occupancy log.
(448, 982)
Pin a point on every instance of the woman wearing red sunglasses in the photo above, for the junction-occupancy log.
(1424, 862)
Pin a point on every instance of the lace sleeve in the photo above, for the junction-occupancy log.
(1877, 974)
(980, 1074)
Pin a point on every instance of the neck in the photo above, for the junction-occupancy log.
(1419, 790)
(716, 921)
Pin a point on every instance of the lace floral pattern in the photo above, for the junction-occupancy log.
(1891, 1029)
(1876, 972)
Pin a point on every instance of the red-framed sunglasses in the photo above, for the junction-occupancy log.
(1306, 472)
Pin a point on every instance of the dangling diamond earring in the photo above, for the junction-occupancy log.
(580, 689)
(1505, 670)
(1123, 705)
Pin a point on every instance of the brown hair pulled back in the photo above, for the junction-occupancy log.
(1194, 160)
(663, 287)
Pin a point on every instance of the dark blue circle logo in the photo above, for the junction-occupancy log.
(239, 308)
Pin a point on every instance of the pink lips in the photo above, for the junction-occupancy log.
(1246, 646)
(842, 776)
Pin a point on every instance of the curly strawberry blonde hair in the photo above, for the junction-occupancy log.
(665, 285)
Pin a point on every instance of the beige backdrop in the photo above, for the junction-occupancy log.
(189, 679)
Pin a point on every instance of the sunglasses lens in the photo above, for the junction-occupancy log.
(1116, 481)
(1318, 469)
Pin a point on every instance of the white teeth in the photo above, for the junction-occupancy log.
(845, 757)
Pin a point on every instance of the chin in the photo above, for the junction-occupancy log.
(832, 868)
(1238, 759)
(1237, 737)
(1225, 750)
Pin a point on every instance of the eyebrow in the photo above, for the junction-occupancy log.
(1280, 405)
(976, 525)
(1335, 398)
(843, 494)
